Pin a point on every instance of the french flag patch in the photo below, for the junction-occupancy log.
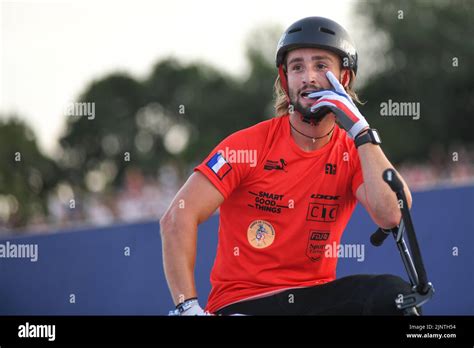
(219, 165)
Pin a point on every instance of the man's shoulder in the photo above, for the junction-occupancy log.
(261, 129)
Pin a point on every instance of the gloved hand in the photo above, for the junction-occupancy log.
(188, 308)
(341, 104)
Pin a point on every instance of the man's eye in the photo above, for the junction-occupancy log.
(296, 67)
(321, 66)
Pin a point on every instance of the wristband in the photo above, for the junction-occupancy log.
(184, 306)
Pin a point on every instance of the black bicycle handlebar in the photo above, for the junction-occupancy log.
(379, 236)
(392, 179)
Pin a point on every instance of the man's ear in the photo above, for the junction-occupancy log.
(346, 77)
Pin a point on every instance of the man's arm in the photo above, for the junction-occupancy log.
(193, 204)
(374, 194)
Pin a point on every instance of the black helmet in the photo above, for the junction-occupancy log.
(318, 32)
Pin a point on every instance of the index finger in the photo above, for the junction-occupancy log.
(335, 82)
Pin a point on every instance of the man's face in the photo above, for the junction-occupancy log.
(306, 71)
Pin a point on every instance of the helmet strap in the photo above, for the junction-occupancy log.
(284, 82)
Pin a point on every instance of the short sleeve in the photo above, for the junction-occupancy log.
(357, 177)
(228, 163)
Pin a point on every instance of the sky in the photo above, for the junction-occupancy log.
(52, 50)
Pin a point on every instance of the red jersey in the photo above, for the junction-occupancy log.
(282, 207)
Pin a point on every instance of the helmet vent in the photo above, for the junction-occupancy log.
(327, 31)
(294, 30)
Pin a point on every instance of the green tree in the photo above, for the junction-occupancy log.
(429, 58)
(26, 176)
(92, 143)
(258, 87)
(177, 114)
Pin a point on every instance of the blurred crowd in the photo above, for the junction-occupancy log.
(141, 198)
(443, 169)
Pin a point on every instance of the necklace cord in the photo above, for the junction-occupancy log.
(313, 138)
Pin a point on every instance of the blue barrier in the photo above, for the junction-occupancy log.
(117, 270)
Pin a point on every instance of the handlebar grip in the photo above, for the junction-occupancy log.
(379, 236)
(392, 179)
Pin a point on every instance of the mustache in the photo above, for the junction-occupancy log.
(317, 89)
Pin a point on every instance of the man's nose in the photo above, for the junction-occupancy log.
(309, 78)
(315, 78)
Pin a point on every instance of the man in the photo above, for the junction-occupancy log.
(280, 213)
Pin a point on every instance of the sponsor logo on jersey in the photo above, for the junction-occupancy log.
(219, 165)
(316, 244)
(330, 169)
(275, 165)
(322, 212)
(326, 197)
(260, 234)
(266, 201)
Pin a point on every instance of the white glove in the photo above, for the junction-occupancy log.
(188, 308)
(341, 104)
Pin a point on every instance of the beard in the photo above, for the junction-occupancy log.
(307, 116)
